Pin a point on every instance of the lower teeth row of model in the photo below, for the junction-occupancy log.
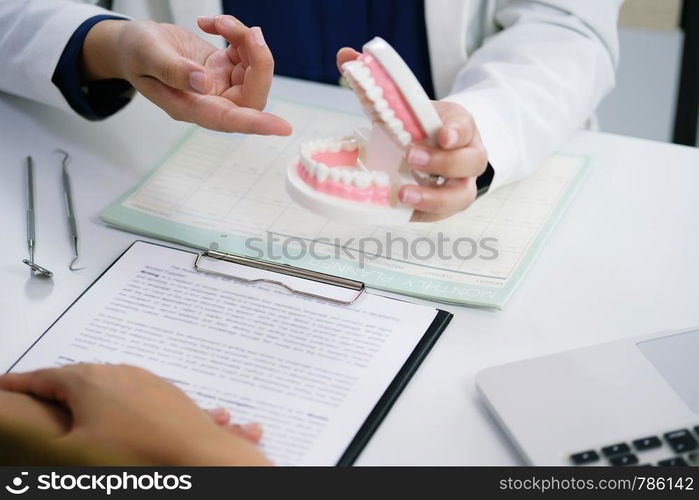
(347, 174)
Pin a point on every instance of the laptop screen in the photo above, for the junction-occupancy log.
(676, 357)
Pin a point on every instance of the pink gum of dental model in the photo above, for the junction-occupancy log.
(372, 194)
(394, 97)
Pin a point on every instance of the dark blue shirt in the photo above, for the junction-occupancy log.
(304, 35)
(93, 100)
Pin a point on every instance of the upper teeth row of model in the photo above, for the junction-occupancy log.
(360, 74)
(346, 174)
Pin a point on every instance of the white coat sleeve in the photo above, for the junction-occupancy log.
(538, 79)
(33, 34)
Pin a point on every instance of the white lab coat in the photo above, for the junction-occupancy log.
(530, 72)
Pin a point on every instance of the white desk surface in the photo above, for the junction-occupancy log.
(621, 262)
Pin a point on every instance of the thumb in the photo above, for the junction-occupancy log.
(346, 54)
(178, 72)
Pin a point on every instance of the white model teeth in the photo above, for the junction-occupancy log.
(374, 93)
(381, 179)
(362, 180)
(322, 172)
(387, 115)
(346, 176)
(349, 174)
(404, 137)
(357, 73)
(335, 174)
(395, 125)
(382, 105)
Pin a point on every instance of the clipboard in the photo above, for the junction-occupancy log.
(383, 406)
(395, 385)
(357, 287)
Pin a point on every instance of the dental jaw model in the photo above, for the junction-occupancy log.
(357, 178)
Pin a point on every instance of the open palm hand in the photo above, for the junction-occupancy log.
(222, 89)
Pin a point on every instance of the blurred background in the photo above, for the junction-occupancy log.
(653, 81)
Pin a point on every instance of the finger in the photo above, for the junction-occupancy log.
(213, 24)
(344, 55)
(220, 416)
(425, 217)
(212, 112)
(238, 75)
(468, 161)
(455, 196)
(232, 30)
(233, 56)
(252, 431)
(229, 28)
(240, 53)
(207, 24)
(52, 384)
(458, 128)
(258, 75)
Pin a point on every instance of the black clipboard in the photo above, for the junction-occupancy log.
(385, 402)
(395, 388)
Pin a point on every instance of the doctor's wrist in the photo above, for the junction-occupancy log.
(101, 57)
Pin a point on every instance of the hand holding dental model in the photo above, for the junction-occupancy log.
(419, 161)
(459, 156)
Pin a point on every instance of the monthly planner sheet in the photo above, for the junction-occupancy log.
(227, 192)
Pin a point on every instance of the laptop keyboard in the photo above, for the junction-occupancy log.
(680, 448)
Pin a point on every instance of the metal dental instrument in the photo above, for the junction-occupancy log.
(31, 235)
(70, 210)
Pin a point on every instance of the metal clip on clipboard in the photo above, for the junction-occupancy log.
(216, 258)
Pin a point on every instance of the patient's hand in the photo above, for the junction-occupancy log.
(220, 89)
(129, 412)
(460, 157)
(24, 410)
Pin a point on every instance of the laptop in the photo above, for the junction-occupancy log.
(629, 402)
